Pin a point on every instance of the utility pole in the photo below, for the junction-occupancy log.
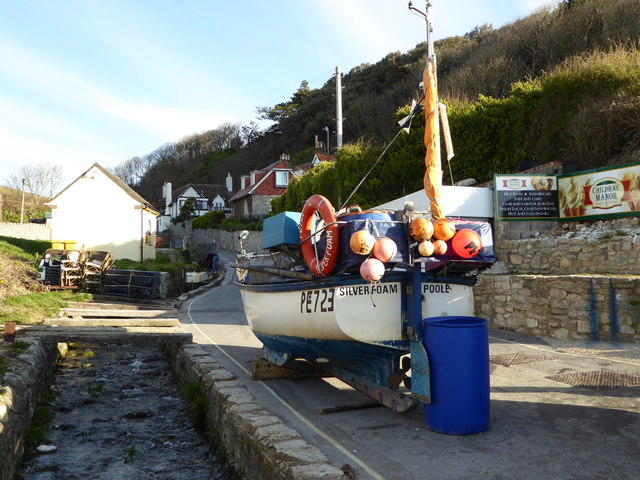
(338, 108)
(22, 203)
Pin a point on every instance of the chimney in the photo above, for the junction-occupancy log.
(166, 193)
(229, 182)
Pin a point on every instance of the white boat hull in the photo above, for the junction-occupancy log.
(363, 312)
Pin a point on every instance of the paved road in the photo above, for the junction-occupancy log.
(540, 427)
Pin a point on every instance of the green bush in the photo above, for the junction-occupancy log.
(208, 220)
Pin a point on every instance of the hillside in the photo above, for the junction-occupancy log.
(11, 204)
(540, 78)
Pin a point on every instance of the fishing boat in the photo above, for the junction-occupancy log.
(347, 291)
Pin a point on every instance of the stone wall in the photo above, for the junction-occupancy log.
(206, 241)
(28, 231)
(576, 307)
(600, 248)
(257, 443)
(19, 396)
(580, 281)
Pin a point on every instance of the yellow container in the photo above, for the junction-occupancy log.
(64, 244)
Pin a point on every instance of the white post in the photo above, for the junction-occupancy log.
(22, 203)
(338, 108)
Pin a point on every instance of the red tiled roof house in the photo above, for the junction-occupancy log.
(257, 189)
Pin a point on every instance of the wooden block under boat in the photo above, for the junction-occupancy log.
(264, 370)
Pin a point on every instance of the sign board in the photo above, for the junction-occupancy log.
(525, 197)
(599, 193)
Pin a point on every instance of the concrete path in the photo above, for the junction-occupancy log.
(559, 409)
(111, 322)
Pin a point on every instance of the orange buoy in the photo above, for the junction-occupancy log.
(466, 243)
(444, 229)
(384, 249)
(361, 242)
(421, 229)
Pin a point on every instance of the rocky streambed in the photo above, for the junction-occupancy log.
(119, 414)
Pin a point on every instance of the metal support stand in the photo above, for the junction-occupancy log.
(420, 372)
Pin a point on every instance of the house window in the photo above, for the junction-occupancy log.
(282, 178)
(202, 205)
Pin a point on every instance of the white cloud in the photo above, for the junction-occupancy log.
(19, 150)
(167, 122)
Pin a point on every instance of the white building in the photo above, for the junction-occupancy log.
(207, 197)
(100, 212)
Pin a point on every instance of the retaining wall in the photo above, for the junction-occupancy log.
(19, 396)
(255, 441)
(582, 283)
(28, 231)
(611, 248)
(576, 307)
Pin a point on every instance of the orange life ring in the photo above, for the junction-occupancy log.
(319, 267)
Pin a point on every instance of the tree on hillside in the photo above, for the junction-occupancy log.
(132, 171)
(250, 132)
(38, 182)
(282, 111)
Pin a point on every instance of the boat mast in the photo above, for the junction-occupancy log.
(338, 108)
(433, 173)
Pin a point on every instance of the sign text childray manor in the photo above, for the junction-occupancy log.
(589, 195)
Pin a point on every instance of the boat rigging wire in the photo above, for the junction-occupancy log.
(371, 169)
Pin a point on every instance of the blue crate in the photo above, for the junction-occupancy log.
(281, 229)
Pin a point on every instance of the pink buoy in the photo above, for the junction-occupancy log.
(439, 247)
(372, 269)
(384, 249)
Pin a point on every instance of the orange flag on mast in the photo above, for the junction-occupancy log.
(433, 174)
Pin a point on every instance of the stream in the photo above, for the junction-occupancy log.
(119, 414)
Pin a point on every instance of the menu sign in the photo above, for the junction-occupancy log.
(526, 197)
(600, 192)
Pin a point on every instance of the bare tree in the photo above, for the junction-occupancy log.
(39, 182)
(131, 171)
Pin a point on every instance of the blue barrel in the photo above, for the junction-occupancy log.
(458, 352)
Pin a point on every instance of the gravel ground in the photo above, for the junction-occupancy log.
(120, 415)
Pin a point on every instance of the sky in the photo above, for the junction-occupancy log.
(85, 81)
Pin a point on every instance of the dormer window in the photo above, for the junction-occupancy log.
(282, 178)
